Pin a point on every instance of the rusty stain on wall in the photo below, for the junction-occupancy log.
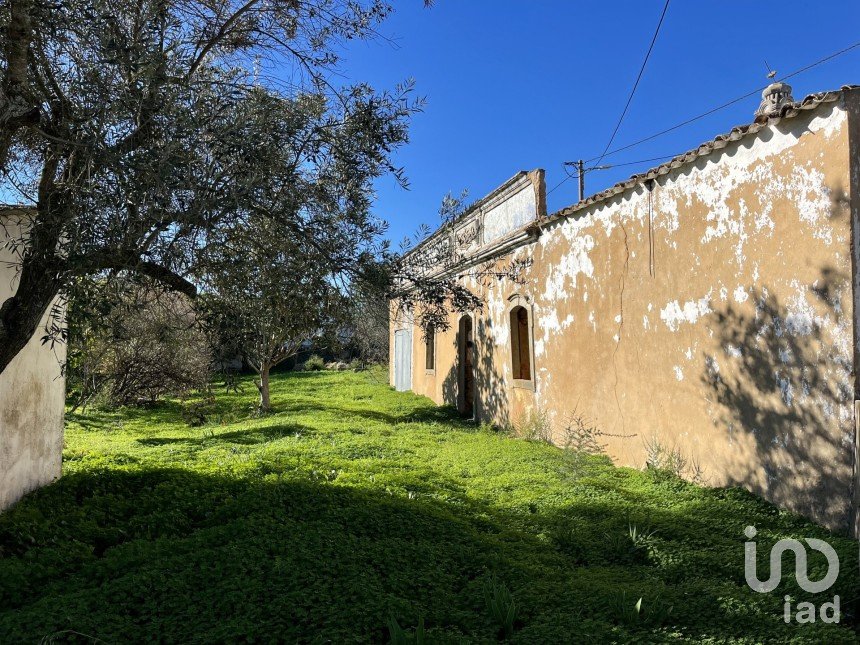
(32, 397)
(708, 303)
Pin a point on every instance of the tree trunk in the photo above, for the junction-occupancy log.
(17, 108)
(21, 314)
(263, 386)
(42, 272)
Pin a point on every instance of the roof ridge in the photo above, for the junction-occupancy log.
(789, 110)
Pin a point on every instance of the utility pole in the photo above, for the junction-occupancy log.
(580, 172)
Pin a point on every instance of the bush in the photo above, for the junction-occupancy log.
(147, 346)
(671, 460)
(315, 363)
(536, 426)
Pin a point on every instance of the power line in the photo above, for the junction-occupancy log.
(725, 105)
(629, 98)
(558, 185)
(638, 78)
(796, 72)
(576, 175)
(629, 163)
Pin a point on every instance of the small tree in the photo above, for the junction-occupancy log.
(269, 295)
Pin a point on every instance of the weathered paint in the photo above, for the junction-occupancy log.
(510, 214)
(711, 308)
(32, 396)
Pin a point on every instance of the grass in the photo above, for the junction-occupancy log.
(355, 514)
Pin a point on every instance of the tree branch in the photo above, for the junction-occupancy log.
(95, 262)
(222, 32)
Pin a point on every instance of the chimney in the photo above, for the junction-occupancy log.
(775, 96)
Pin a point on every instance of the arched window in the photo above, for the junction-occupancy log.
(430, 348)
(521, 343)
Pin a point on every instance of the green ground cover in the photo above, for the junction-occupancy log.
(353, 505)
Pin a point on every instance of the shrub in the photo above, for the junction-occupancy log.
(536, 426)
(315, 363)
(581, 438)
(399, 636)
(672, 460)
(147, 346)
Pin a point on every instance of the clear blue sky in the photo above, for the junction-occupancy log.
(520, 85)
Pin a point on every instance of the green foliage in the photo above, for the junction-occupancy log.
(650, 612)
(534, 426)
(500, 606)
(398, 636)
(628, 547)
(197, 412)
(671, 461)
(354, 503)
(315, 363)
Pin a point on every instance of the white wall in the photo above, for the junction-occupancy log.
(32, 393)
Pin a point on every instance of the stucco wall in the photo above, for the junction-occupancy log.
(709, 310)
(32, 392)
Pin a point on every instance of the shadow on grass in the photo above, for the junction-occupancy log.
(213, 559)
(247, 436)
(180, 556)
(428, 414)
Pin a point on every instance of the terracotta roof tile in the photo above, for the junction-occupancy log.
(787, 112)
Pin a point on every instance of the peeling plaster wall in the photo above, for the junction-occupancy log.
(710, 310)
(32, 398)
(511, 214)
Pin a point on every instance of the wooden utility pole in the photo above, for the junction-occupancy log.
(580, 172)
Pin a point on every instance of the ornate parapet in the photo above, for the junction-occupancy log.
(487, 227)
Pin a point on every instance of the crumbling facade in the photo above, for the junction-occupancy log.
(706, 307)
(32, 392)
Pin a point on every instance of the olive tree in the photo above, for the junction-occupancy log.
(268, 296)
(132, 128)
(304, 235)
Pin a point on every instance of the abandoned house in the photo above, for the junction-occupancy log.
(705, 307)
(32, 391)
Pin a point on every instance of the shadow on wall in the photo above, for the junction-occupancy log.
(492, 387)
(490, 390)
(450, 386)
(783, 382)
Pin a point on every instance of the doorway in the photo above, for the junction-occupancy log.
(403, 360)
(466, 343)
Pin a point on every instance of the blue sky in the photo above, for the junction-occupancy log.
(520, 85)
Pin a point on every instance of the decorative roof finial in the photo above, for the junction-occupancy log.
(773, 98)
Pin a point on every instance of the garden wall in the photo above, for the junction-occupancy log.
(32, 396)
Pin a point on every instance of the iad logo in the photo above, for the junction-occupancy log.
(829, 611)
